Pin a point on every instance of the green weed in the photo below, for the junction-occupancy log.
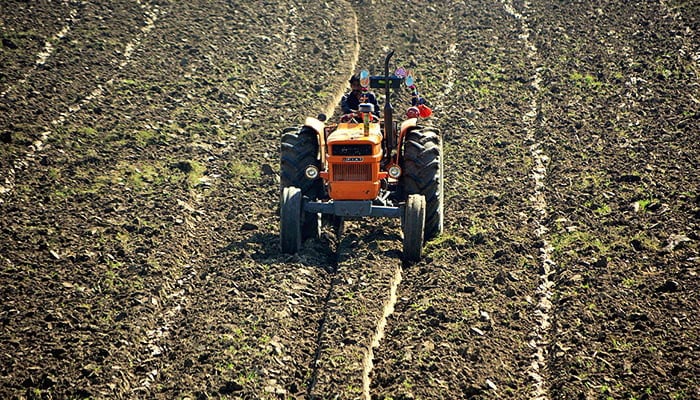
(142, 175)
(86, 131)
(620, 345)
(239, 170)
(567, 241)
(587, 81)
(643, 204)
(146, 137)
(602, 210)
(442, 245)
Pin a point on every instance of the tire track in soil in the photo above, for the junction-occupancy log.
(379, 333)
(621, 138)
(330, 109)
(8, 181)
(34, 150)
(260, 340)
(38, 56)
(688, 36)
(540, 341)
(360, 299)
(460, 323)
(150, 17)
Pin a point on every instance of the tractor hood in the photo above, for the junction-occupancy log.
(351, 132)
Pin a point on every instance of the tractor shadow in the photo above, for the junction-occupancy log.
(375, 246)
(327, 252)
(264, 248)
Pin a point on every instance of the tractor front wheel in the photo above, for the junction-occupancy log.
(290, 220)
(413, 228)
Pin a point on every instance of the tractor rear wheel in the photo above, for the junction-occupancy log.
(414, 227)
(290, 220)
(299, 149)
(423, 174)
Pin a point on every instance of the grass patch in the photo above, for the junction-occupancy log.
(643, 241)
(139, 176)
(446, 239)
(193, 171)
(573, 242)
(146, 137)
(142, 175)
(586, 81)
(196, 173)
(443, 245)
(86, 131)
(602, 210)
(242, 171)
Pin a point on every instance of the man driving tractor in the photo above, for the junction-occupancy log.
(351, 101)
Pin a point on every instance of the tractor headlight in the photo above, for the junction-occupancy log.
(311, 172)
(394, 171)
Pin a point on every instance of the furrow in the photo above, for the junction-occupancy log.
(619, 100)
(464, 315)
(362, 298)
(388, 309)
(86, 97)
(46, 52)
(539, 341)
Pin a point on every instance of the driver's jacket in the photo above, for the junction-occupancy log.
(350, 103)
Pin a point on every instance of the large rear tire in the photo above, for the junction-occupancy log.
(299, 149)
(423, 174)
(414, 228)
(290, 220)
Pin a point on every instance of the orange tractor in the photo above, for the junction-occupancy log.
(361, 167)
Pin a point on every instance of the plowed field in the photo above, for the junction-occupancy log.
(139, 187)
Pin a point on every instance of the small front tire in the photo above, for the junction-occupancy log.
(290, 220)
(413, 228)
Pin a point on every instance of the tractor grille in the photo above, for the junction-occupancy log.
(352, 172)
(352, 149)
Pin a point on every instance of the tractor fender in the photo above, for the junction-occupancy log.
(406, 125)
(315, 124)
(319, 127)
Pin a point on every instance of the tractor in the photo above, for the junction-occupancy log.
(363, 166)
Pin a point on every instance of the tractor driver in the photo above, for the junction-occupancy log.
(351, 101)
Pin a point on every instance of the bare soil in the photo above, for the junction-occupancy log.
(139, 186)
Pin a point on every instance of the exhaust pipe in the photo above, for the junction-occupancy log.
(388, 110)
